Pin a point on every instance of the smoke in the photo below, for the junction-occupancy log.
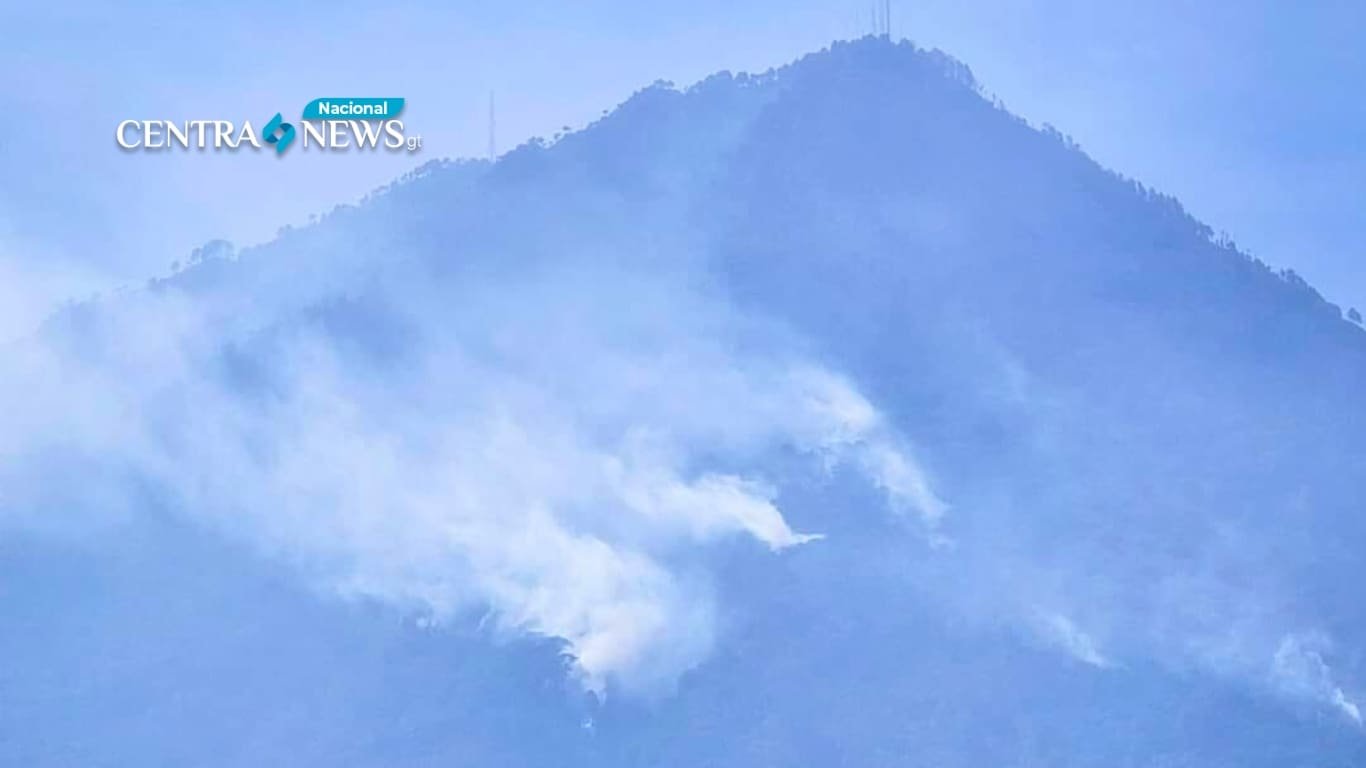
(553, 447)
(1063, 633)
(32, 288)
(1299, 668)
(556, 445)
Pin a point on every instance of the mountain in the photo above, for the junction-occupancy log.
(827, 416)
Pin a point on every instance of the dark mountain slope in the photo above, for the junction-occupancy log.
(1151, 448)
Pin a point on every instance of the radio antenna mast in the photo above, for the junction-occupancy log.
(882, 21)
(493, 131)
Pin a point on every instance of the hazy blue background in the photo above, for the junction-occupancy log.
(833, 416)
(1247, 111)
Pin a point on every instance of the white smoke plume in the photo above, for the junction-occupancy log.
(550, 448)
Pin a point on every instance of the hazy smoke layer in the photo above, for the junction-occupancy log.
(549, 446)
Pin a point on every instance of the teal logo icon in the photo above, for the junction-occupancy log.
(279, 133)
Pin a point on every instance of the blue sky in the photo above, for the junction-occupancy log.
(1246, 111)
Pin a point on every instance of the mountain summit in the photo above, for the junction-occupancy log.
(833, 415)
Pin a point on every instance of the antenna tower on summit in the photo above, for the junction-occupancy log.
(493, 131)
(882, 20)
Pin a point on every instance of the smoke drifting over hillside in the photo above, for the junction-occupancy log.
(835, 414)
(549, 446)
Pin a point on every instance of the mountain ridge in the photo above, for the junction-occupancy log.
(870, 53)
(1087, 475)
